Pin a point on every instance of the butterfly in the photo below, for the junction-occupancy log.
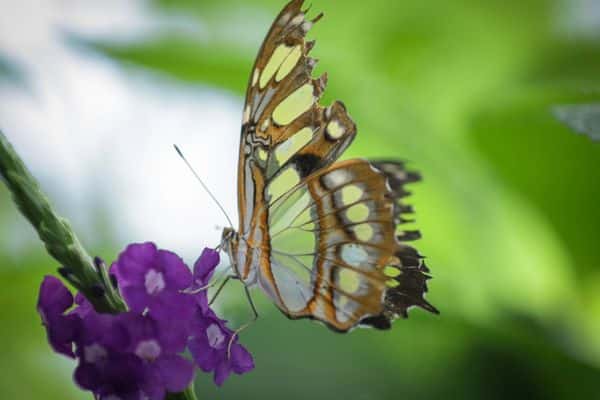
(320, 237)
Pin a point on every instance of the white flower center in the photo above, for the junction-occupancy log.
(148, 350)
(94, 353)
(154, 282)
(215, 336)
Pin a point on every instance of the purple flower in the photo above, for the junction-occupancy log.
(137, 355)
(209, 346)
(211, 339)
(54, 300)
(204, 269)
(118, 375)
(151, 342)
(154, 279)
(99, 343)
(131, 355)
(84, 307)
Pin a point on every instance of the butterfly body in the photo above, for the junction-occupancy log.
(319, 237)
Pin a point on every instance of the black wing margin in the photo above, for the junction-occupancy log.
(411, 281)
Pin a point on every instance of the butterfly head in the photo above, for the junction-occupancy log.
(228, 238)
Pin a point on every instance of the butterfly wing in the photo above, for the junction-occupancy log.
(337, 254)
(319, 238)
(283, 126)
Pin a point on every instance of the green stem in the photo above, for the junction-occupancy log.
(188, 394)
(56, 233)
(87, 275)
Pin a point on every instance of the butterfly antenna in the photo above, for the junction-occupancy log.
(212, 196)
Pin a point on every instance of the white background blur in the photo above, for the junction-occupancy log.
(99, 136)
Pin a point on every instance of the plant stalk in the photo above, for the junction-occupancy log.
(86, 274)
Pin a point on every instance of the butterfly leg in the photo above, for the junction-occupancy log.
(247, 324)
(221, 287)
(209, 285)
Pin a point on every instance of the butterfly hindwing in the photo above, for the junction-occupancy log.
(336, 253)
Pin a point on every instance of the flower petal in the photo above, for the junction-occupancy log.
(176, 372)
(173, 305)
(86, 377)
(134, 262)
(241, 359)
(205, 357)
(177, 274)
(62, 332)
(204, 267)
(173, 334)
(84, 307)
(54, 298)
(136, 298)
(222, 372)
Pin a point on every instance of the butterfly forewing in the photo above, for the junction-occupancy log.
(318, 237)
(286, 134)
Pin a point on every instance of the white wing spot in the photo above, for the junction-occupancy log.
(298, 19)
(294, 105)
(289, 63)
(354, 255)
(265, 125)
(246, 116)
(348, 280)
(335, 130)
(337, 178)
(358, 213)
(351, 194)
(364, 232)
(284, 19)
(297, 141)
(279, 55)
(283, 182)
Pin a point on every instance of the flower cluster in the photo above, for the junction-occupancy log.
(138, 354)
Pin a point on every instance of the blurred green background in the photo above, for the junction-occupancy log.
(509, 207)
